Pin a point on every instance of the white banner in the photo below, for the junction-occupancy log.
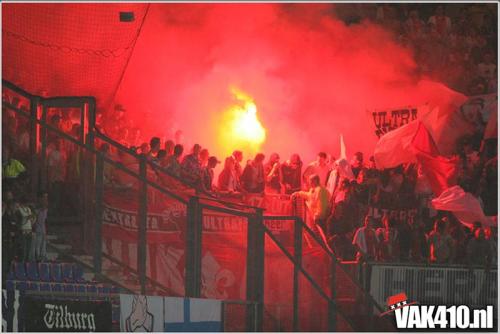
(438, 286)
(141, 313)
(169, 314)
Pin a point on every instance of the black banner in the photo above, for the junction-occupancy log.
(388, 120)
(49, 315)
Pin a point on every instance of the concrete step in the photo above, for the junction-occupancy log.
(52, 237)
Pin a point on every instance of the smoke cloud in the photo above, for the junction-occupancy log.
(311, 77)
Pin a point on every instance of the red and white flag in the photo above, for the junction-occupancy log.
(464, 206)
(441, 172)
(394, 148)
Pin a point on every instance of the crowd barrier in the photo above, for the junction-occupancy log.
(436, 285)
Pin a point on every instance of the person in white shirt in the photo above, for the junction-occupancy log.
(317, 202)
(318, 167)
(365, 240)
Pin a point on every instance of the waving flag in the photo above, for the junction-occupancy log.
(394, 148)
(441, 172)
(464, 206)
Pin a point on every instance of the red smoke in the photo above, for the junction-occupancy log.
(311, 76)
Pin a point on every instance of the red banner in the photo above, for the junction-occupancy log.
(224, 244)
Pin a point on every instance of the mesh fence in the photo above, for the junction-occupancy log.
(68, 49)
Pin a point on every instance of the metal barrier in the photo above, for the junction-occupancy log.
(92, 180)
(433, 284)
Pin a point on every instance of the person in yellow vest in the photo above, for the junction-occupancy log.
(11, 168)
(317, 202)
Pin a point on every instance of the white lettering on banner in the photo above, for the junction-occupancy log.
(220, 223)
(128, 219)
(216, 223)
(402, 214)
(274, 204)
(388, 120)
(58, 317)
(434, 285)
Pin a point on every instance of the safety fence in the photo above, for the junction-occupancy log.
(433, 285)
(159, 228)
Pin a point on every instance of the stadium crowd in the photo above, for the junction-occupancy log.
(451, 43)
(340, 194)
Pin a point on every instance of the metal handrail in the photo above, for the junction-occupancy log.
(149, 279)
(333, 257)
(166, 172)
(115, 164)
(146, 181)
(306, 275)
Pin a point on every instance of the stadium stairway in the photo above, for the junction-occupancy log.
(127, 280)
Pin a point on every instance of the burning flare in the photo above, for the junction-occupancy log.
(241, 128)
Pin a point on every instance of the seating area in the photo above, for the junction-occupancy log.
(54, 277)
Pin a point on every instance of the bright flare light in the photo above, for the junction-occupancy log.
(241, 128)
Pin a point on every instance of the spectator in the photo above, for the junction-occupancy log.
(440, 23)
(123, 135)
(479, 250)
(404, 239)
(66, 124)
(491, 234)
(357, 164)
(160, 159)
(418, 241)
(486, 69)
(172, 163)
(318, 167)
(388, 239)
(228, 179)
(414, 26)
(342, 246)
(38, 248)
(440, 243)
(169, 147)
(134, 137)
(317, 201)
(272, 174)
(11, 168)
(291, 172)
(457, 232)
(489, 186)
(55, 122)
(207, 175)
(154, 145)
(366, 241)
(56, 163)
(204, 157)
(344, 212)
(191, 166)
(238, 158)
(25, 218)
(10, 230)
(253, 179)
(341, 192)
(144, 149)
